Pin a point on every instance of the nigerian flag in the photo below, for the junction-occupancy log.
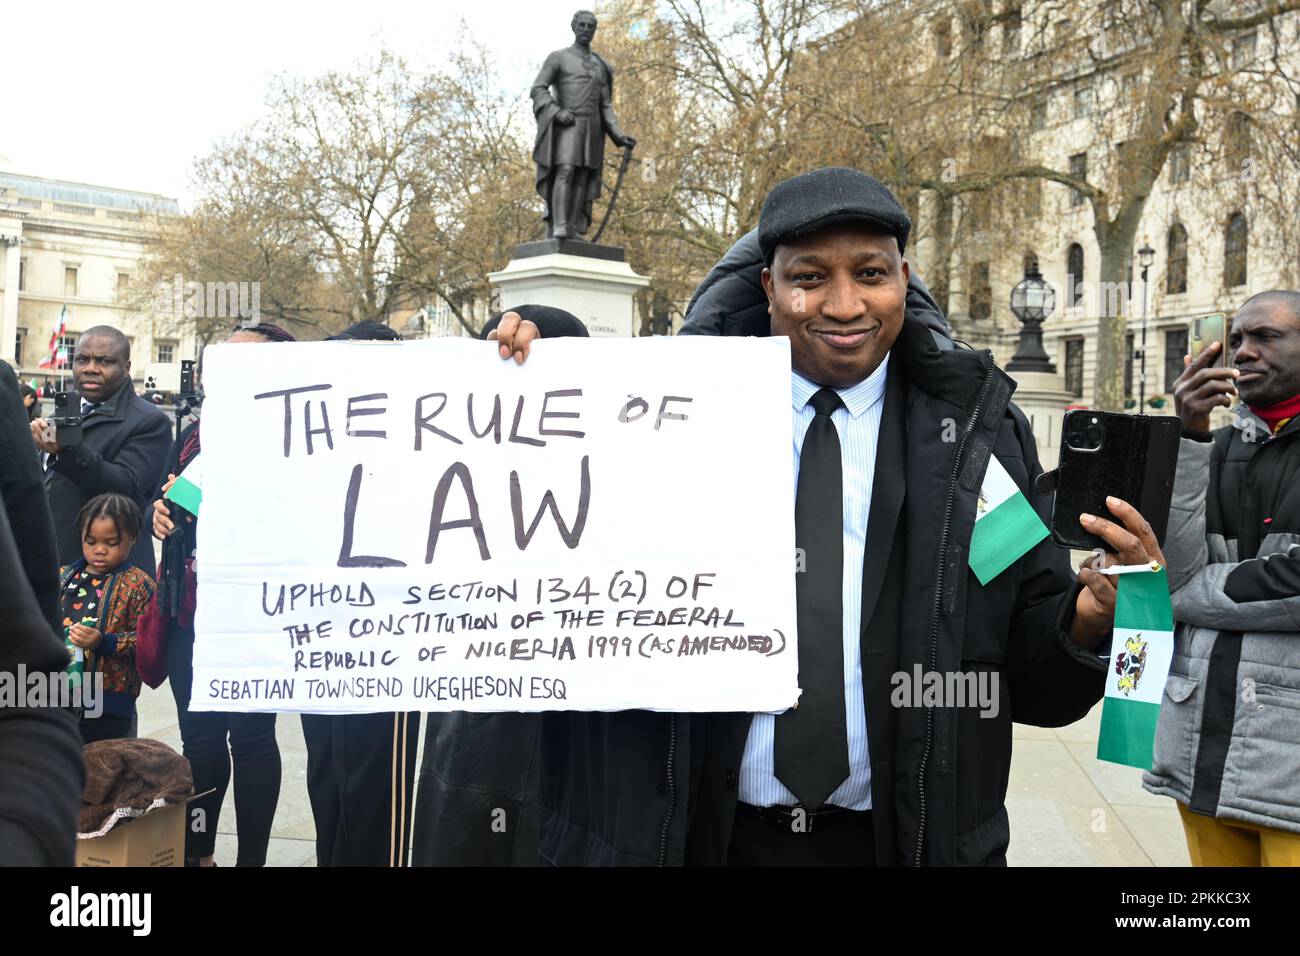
(1141, 652)
(187, 490)
(1006, 524)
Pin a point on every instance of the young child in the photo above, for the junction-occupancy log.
(101, 598)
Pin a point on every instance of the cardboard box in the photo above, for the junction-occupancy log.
(155, 839)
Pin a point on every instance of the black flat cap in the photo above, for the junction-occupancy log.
(824, 197)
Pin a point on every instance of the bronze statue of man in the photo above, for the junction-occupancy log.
(572, 102)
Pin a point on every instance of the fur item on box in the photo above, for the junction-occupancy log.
(128, 778)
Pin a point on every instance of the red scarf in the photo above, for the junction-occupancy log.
(1278, 415)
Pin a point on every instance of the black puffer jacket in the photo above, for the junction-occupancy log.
(647, 788)
(731, 300)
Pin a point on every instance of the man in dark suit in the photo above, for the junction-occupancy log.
(123, 448)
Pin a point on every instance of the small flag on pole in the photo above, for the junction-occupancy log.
(1141, 653)
(58, 356)
(58, 359)
(1006, 524)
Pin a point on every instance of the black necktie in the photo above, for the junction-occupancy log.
(811, 748)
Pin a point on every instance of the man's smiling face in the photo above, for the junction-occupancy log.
(839, 295)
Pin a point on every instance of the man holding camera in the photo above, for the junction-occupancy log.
(120, 445)
(1228, 741)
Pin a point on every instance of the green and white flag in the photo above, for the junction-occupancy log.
(187, 490)
(1140, 656)
(1006, 524)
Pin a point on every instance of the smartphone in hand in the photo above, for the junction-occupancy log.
(1206, 329)
(1132, 457)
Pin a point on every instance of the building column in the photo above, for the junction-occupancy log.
(9, 248)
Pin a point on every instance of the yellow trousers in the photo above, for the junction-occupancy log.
(1213, 842)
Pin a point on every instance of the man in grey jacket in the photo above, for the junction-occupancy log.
(1228, 739)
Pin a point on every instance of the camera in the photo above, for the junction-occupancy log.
(1085, 431)
(67, 418)
(187, 376)
(188, 397)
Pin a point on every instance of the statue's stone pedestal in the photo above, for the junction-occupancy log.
(590, 280)
(1042, 397)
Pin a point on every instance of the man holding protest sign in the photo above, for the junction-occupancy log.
(893, 439)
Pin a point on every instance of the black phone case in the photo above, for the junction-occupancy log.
(1136, 462)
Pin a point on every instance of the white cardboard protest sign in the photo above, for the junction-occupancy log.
(423, 526)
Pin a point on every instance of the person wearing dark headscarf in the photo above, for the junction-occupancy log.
(41, 766)
(477, 802)
(212, 740)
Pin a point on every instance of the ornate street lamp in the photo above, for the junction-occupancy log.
(1146, 257)
(1032, 301)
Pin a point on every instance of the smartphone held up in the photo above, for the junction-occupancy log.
(1206, 329)
(1105, 454)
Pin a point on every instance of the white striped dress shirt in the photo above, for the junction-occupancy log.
(858, 425)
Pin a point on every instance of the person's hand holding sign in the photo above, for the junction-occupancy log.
(514, 334)
(1133, 542)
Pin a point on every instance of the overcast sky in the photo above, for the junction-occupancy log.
(128, 94)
